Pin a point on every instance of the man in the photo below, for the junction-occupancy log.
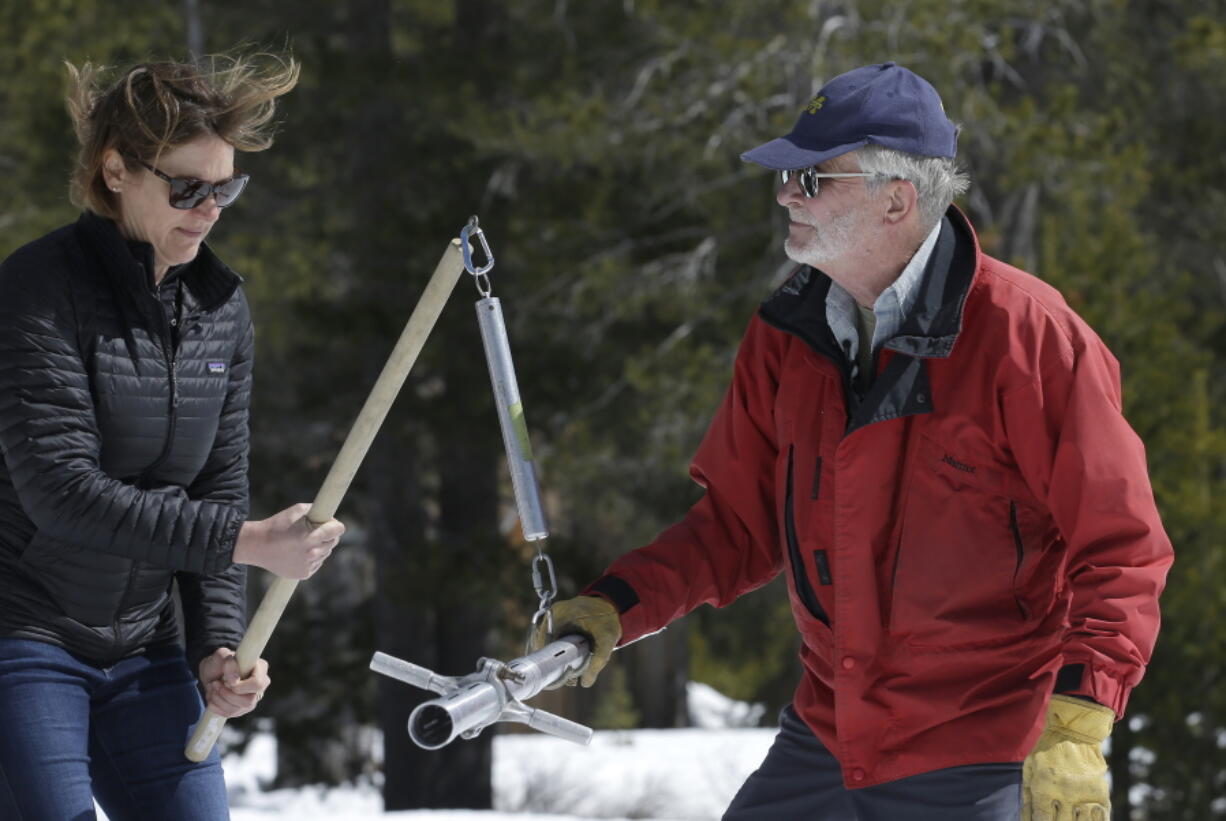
(930, 444)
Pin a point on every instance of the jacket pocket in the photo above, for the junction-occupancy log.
(800, 577)
(85, 585)
(958, 571)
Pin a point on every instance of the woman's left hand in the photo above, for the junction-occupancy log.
(226, 692)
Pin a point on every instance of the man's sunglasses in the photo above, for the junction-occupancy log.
(186, 193)
(810, 177)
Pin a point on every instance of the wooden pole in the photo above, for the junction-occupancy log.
(371, 417)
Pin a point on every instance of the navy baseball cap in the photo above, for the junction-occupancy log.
(884, 104)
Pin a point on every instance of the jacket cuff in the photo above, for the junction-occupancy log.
(1069, 679)
(616, 591)
(223, 557)
(633, 614)
(1084, 681)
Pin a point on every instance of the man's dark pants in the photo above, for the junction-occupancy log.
(800, 779)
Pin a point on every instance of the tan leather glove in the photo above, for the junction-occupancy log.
(591, 617)
(1065, 776)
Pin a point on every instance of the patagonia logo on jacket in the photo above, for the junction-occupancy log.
(217, 367)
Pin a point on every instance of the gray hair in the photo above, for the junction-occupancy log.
(937, 180)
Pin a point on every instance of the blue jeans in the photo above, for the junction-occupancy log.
(801, 779)
(70, 731)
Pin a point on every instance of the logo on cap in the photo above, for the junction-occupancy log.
(815, 104)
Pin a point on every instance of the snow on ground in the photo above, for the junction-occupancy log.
(661, 774)
(664, 774)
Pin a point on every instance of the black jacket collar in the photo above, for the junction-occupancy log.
(935, 320)
(209, 281)
(932, 326)
(928, 331)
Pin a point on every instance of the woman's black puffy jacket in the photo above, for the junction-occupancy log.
(124, 440)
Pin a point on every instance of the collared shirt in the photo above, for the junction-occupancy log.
(890, 309)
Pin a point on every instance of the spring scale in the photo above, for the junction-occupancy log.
(511, 420)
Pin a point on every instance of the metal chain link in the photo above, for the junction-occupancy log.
(546, 593)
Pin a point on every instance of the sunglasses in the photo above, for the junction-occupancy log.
(186, 193)
(809, 178)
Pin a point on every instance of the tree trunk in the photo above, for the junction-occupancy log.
(659, 674)
(1121, 771)
(449, 610)
(445, 626)
(400, 471)
(401, 629)
(193, 28)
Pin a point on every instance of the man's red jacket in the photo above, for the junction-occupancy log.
(973, 531)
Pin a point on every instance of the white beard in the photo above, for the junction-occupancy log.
(827, 242)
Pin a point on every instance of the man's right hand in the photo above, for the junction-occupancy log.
(287, 544)
(591, 617)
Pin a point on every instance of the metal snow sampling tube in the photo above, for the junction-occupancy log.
(496, 692)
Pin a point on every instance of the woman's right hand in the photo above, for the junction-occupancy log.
(287, 544)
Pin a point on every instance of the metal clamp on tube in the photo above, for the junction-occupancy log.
(496, 692)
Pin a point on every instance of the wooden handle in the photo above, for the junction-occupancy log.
(344, 467)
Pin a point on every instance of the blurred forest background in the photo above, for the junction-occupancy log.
(598, 141)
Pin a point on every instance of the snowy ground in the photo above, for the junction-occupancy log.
(662, 774)
(673, 774)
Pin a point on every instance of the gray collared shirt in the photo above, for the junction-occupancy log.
(891, 308)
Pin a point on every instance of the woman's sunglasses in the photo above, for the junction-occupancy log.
(186, 193)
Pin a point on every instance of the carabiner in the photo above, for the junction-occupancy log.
(546, 594)
(543, 614)
(479, 274)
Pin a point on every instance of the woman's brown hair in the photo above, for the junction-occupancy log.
(152, 107)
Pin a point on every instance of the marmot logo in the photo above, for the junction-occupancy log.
(956, 465)
(815, 104)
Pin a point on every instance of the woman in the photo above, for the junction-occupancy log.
(125, 374)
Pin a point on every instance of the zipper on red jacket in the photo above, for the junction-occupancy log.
(827, 346)
(1019, 546)
(804, 590)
